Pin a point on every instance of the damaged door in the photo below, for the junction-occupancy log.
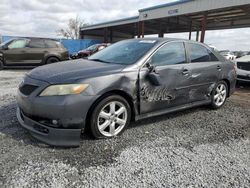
(205, 69)
(164, 72)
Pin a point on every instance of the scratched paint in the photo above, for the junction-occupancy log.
(156, 94)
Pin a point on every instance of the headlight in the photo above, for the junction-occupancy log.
(65, 89)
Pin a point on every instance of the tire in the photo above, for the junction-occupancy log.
(1, 65)
(52, 60)
(219, 95)
(105, 121)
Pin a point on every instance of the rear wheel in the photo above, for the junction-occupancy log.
(219, 94)
(110, 117)
(52, 60)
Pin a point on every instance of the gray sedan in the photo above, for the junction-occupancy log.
(129, 80)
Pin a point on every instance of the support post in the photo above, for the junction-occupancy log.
(142, 29)
(111, 35)
(161, 32)
(105, 34)
(203, 28)
(190, 31)
(138, 29)
(197, 35)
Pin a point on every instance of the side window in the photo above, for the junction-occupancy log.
(35, 43)
(169, 54)
(51, 44)
(199, 53)
(20, 43)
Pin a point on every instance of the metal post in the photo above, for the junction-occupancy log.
(190, 31)
(111, 35)
(142, 29)
(197, 35)
(203, 28)
(105, 34)
(138, 29)
(160, 33)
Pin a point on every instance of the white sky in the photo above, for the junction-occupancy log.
(42, 18)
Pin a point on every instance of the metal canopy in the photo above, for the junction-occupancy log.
(180, 16)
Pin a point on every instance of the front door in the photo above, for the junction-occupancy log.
(15, 52)
(164, 87)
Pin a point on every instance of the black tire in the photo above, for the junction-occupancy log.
(52, 60)
(1, 65)
(97, 109)
(215, 105)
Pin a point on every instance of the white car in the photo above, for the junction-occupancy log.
(228, 55)
(243, 68)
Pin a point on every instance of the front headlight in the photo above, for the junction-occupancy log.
(64, 89)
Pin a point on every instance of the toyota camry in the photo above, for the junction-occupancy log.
(127, 81)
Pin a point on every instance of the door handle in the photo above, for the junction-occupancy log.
(185, 72)
(219, 68)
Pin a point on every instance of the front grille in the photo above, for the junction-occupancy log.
(243, 65)
(27, 89)
(243, 77)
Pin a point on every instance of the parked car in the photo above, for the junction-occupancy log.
(31, 52)
(243, 68)
(89, 51)
(130, 80)
(228, 55)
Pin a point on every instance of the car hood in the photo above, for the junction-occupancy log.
(84, 52)
(70, 71)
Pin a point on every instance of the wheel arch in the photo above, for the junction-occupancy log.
(228, 86)
(121, 93)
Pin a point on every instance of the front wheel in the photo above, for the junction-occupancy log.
(110, 117)
(219, 94)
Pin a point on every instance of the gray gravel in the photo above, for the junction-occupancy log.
(194, 148)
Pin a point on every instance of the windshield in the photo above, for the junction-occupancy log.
(124, 52)
(6, 42)
(93, 47)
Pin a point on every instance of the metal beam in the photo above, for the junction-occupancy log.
(203, 27)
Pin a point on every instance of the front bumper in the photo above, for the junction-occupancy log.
(243, 75)
(55, 120)
(49, 135)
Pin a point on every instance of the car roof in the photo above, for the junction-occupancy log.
(163, 40)
(35, 38)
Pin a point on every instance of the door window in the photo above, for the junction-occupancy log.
(36, 44)
(169, 54)
(52, 44)
(199, 53)
(21, 43)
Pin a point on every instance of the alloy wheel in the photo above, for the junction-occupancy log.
(220, 95)
(112, 118)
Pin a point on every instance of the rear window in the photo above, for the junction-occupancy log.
(52, 44)
(199, 53)
(37, 43)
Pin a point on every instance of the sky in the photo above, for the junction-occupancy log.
(42, 18)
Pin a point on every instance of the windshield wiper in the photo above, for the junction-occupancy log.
(99, 60)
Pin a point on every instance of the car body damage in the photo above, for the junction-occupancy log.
(156, 94)
(149, 88)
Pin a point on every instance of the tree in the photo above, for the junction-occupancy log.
(73, 28)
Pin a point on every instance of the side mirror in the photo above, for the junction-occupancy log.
(153, 75)
(5, 47)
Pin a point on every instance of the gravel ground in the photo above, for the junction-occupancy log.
(193, 148)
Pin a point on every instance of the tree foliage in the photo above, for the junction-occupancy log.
(72, 29)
